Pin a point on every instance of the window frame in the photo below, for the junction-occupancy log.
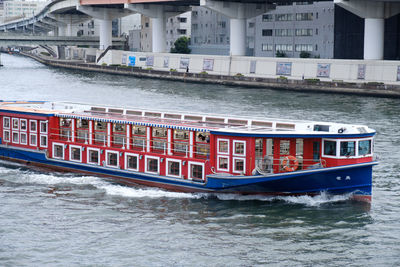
(9, 135)
(218, 146)
(234, 165)
(88, 155)
(12, 125)
(40, 126)
(106, 159)
(30, 126)
(63, 152)
(30, 136)
(70, 153)
(26, 125)
(234, 148)
(126, 161)
(13, 139)
(167, 169)
(40, 140)
(218, 160)
(9, 123)
(146, 165)
(20, 138)
(338, 143)
(190, 170)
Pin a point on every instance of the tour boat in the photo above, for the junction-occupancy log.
(189, 152)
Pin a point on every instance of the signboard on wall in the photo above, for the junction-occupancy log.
(184, 63)
(361, 71)
(208, 64)
(323, 70)
(149, 61)
(166, 62)
(253, 65)
(284, 68)
(398, 73)
(132, 61)
(123, 62)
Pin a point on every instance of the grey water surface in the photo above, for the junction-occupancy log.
(53, 219)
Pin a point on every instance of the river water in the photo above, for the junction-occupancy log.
(53, 219)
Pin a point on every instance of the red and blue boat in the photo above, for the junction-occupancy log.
(189, 152)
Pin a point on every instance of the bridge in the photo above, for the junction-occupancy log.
(59, 15)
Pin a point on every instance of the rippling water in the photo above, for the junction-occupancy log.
(52, 219)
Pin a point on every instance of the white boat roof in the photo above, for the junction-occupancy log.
(188, 120)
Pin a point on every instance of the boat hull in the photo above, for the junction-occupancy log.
(350, 179)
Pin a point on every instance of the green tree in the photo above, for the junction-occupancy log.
(181, 45)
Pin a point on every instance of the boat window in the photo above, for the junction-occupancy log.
(223, 163)
(23, 125)
(181, 135)
(174, 168)
(196, 171)
(316, 151)
(223, 146)
(132, 161)
(348, 148)
(58, 151)
(93, 156)
(43, 127)
(238, 165)
(203, 137)
(364, 147)
(159, 144)
(15, 124)
(259, 147)
(239, 148)
(100, 137)
(82, 135)
(329, 148)
(65, 122)
(119, 127)
(138, 142)
(75, 153)
(284, 147)
(152, 165)
(202, 149)
(6, 136)
(33, 126)
(23, 140)
(81, 123)
(181, 147)
(119, 134)
(112, 159)
(15, 137)
(43, 140)
(33, 139)
(100, 126)
(139, 130)
(6, 122)
(159, 132)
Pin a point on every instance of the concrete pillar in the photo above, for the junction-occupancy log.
(62, 31)
(238, 14)
(105, 34)
(69, 30)
(158, 15)
(374, 14)
(374, 38)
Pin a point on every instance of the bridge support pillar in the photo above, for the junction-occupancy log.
(158, 15)
(374, 14)
(238, 13)
(105, 15)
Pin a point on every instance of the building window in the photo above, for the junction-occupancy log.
(15, 124)
(223, 163)
(267, 17)
(43, 140)
(112, 159)
(239, 165)
(152, 164)
(196, 171)
(223, 146)
(284, 47)
(284, 17)
(6, 136)
(174, 168)
(304, 32)
(33, 139)
(131, 161)
(283, 32)
(33, 126)
(93, 156)
(239, 148)
(58, 151)
(304, 16)
(43, 127)
(23, 139)
(329, 148)
(304, 47)
(267, 32)
(6, 122)
(266, 47)
(75, 153)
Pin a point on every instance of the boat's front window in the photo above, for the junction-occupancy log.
(364, 147)
(329, 148)
(347, 149)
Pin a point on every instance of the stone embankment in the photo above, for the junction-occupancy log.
(281, 83)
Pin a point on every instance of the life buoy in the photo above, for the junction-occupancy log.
(290, 163)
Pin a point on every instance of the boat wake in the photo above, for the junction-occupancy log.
(17, 174)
